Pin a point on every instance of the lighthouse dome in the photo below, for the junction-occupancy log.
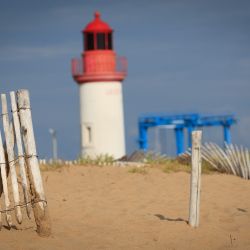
(97, 25)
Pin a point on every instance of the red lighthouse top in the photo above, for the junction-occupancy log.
(99, 62)
(97, 25)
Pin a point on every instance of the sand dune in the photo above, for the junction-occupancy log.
(110, 208)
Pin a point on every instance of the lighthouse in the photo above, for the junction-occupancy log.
(99, 74)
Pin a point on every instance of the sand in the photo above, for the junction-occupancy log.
(111, 208)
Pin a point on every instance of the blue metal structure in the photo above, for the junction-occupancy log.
(181, 122)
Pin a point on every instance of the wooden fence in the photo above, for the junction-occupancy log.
(21, 187)
(232, 159)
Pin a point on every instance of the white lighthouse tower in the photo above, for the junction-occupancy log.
(99, 74)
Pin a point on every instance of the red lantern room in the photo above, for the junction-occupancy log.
(99, 61)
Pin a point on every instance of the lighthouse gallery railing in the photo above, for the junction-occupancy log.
(78, 67)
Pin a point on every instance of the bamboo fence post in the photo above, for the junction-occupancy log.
(11, 157)
(195, 184)
(40, 207)
(20, 152)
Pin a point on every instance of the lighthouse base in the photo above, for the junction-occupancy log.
(101, 119)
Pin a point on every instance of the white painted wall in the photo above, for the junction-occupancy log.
(102, 119)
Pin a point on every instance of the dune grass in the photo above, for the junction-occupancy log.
(171, 166)
(138, 170)
(167, 165)
(51, 167)
(100, 160)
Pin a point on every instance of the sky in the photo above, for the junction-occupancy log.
(183, 56)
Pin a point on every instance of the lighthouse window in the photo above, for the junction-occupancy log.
(89, 41)
(110, 43)
(87, 135)
(100, 40)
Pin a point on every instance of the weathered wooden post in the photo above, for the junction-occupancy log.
(195, 183)
(11, 157)
(4, 183)
(40, 207)
(20, 152)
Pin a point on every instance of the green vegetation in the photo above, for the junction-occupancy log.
(100, 160)
(51, 166)
(175, 166)
(167, 165)
(207, 168)
(138, 170)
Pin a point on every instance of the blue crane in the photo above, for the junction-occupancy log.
(180, 122)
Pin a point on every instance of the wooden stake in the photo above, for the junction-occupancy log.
(195, 184)
(222, 158)
(237, 160)
(4, 174)
(230, 168)
(20, 153)
(230, 153)
(11, 158)
(40, 207)
(4, 182)
(248, 161)
(206, 156)
(244, 162)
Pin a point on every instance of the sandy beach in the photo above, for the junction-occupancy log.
(111, 208)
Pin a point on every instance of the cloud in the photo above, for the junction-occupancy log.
(23, 53)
